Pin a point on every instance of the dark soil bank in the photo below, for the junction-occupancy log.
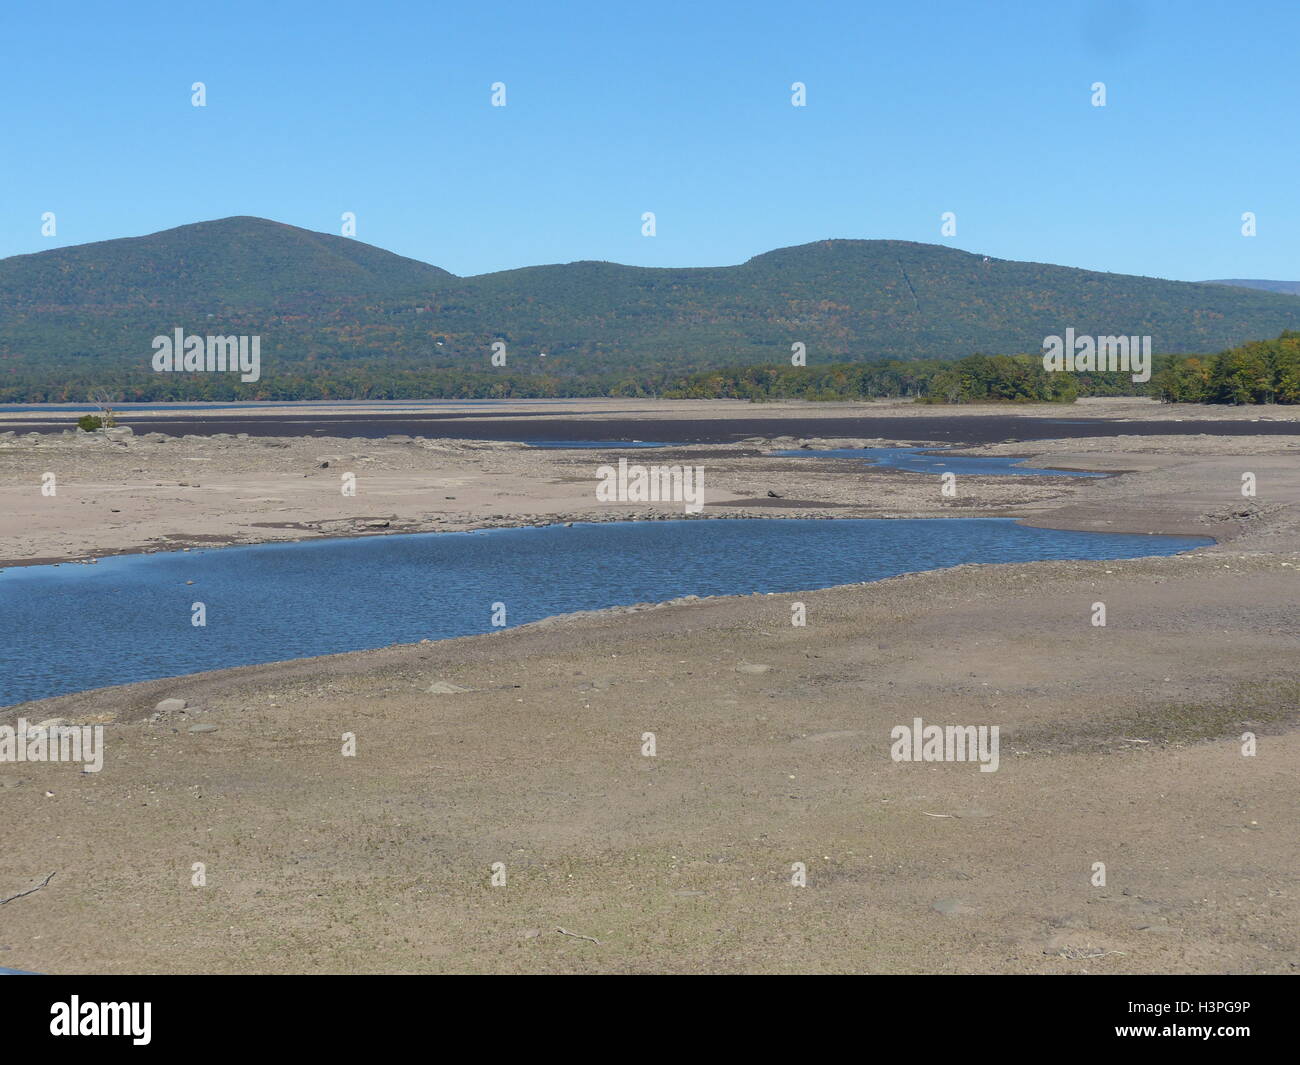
(542, 425)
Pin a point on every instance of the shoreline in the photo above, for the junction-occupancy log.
(596, 615)
(1069, 525)
(114, 696)
(1121, 744)
(522, 747)
(213, 491)
(682, 422)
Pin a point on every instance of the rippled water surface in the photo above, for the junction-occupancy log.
(927, 460)
(128, 618)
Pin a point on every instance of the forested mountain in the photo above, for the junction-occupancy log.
(342, 318)
(1291, 288)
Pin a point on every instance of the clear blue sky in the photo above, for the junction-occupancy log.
(616, 107)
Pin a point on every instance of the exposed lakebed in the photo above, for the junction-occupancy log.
(129, 618)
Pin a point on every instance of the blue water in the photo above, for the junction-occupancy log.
(928, 460)
(72, 627)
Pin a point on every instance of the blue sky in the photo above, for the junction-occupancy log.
(618, 107)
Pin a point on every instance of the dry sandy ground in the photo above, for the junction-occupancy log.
(160, 493)
(1119, 745)
(151, 492)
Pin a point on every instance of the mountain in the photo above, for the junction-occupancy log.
(234, 262)
(856, 299)
(326, 305)
(1291, 288)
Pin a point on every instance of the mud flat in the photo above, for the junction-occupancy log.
(689, 421)
(149, 492)
(1120, 744)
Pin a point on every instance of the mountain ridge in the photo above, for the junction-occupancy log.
(320, 300)
(1290, 288)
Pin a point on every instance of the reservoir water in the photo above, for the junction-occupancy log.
(928, 460)
(129, 618)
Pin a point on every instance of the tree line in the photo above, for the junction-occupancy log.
(1266, 371)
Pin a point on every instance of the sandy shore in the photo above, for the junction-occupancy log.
(150, 492)
(1120, 744)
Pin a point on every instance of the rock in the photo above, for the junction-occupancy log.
(203, 728)
(170, 706)
(1074, 921)
(441, 687)
(1071, 944)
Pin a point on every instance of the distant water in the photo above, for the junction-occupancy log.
(928, 460)
(72, 627)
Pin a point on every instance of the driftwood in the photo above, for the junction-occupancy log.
(29, 891)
